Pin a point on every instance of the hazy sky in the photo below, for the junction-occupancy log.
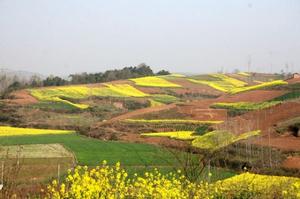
(69, 36)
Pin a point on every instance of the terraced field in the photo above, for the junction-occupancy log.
(233, 86)
(89, 151)
(13, 131)
(63, 94)
(155, 82)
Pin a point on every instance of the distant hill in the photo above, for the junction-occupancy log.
(23, 75)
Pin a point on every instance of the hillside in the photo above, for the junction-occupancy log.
(233, 120)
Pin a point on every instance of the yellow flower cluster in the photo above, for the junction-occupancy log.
(181, 135)
(231, 85)
(259, 86)
(13, 131)
(230, 80)
(154, 82)
(126, 90)
(173, 121)
(249, 185)
(113, 182)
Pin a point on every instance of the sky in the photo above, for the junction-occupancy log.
(191, 36)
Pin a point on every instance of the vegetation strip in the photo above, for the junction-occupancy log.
(61, 94)
(233, 86)
(181, 135)
(248, 106)
(259, 86)
(90, 151)
(218, 139)
(178, 121)
(15, 131)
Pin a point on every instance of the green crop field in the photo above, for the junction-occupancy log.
(89, 151)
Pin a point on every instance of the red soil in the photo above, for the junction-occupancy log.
(293, 81)
(292, 162)
(137, 113)
(190, 87)
(150, 90)
(22, 97)
(252, 96)
(265, 120)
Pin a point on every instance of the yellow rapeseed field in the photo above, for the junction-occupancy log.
(14, 131)
(113, 182)
(126, 90)
(259, 86)
(154, 82)
(223, 83)
(231, 85)
(57, 94)
(215, 140)
(181, 135)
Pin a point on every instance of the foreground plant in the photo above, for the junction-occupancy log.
(112, 182)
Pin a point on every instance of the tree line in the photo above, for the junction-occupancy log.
(8, 84)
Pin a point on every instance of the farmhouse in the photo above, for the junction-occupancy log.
(294, 76)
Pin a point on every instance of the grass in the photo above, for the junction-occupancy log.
(14, 131)
(171, 121)
(53, 105)
(288, 96)
(154, 82)
(180, 135)
(92, 152)
(165, 99)
(218, 139)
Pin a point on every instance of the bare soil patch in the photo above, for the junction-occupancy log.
(252, 96)
(292, 162)
(22, 97)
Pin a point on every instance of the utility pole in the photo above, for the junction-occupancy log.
(249, 62)
(271, 64)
